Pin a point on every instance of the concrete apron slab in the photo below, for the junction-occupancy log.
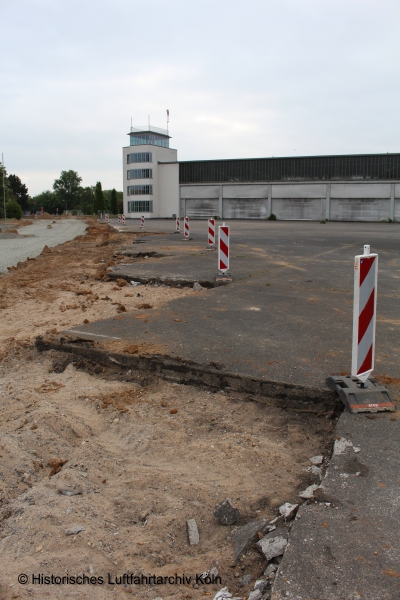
(287, 315)
(346, 545)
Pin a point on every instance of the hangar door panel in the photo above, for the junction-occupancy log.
(201, 208)
(359, 209)
(297, 209)
(244, 208)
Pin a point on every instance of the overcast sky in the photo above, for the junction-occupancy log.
(240, 78)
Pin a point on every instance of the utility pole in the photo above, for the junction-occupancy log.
(4, 188)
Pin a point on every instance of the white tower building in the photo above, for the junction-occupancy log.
(151, 174)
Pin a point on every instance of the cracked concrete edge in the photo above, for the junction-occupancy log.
(287, 395)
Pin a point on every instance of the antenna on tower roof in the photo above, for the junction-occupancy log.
(167, 120)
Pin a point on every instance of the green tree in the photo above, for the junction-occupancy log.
(19, 190)
(6, 186)
(99, 202)
(13, 209)
(114, 202)
(87, 199)
(49, 200)
(68, 189)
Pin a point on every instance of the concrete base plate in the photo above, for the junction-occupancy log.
(223, 277)
(357, 397)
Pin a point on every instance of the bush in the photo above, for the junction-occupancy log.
(271, 217)
(13, 210)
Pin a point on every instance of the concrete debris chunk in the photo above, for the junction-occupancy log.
(261, 585)
(74, 530)
(70, 492)
(270, 571)
(193, 532)
(288, 510)
(308, 493)
(274, 543)
(223, 594)
(255, 595)
(341, 446)
(226, 513)
(317, 460)
(197, 287)
(315, 470)
(272, 547)
(246, 536)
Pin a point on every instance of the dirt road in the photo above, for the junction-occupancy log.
(126, 457)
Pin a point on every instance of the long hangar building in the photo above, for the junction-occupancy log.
(357, 187)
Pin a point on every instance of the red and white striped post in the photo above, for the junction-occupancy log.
(211, 232)
(178, 225)
(187, 228)
(119, 218)
(107, 218)
(364, 315)
(142, 222)
(223, 248)
(123, 219)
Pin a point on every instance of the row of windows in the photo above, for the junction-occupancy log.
(140, 174)
(149, 138)
(140, 206)
(363, 166)
(140, 190)
(138, 157)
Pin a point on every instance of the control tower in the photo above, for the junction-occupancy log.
(150, 174)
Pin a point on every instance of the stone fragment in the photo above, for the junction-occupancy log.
(288, 510)
(197, 287)
(270, 571)
(261, 585)
(315, 471)
(341, 445)
(223, 594)
(255, 595)
(74, 530)
(246, 536)
(70, 492)
(245, 580)
(193, 532)
(273, 544)
(317, 460)
(308, 493)
(226, 513)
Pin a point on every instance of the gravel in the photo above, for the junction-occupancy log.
(32, 239)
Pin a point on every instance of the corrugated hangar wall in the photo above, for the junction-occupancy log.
(362, 187)
(338, 201)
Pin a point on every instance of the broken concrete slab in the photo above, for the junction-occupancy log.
(247, 535)
(193, 532)
(346, 544)
(226, 513)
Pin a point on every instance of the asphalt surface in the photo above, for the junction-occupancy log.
(31, 240)
(286, 316)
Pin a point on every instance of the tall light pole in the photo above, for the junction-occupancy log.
(4, 188)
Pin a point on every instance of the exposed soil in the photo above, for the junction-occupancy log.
(126, 456)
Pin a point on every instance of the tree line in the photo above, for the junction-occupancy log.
(67, 195)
